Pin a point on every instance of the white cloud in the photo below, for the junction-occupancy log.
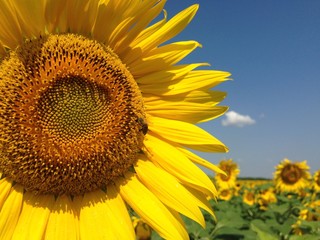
(235, 119)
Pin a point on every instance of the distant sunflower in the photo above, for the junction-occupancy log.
(265, 197)
(142, 230)
(95, 113)
(249, 197)
(229, 177)
(316, 181)
(225, 194)
(291, 177)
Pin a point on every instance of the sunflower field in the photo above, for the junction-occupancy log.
(287, 207)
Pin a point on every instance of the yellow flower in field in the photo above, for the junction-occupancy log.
(316, 181)
(311, 212)
(96, 114)
(225, 194)
(231, 170)
(248, 197)
(265, 197)
(237, 188)
(291, 177)
(296, 228)
(142, 230)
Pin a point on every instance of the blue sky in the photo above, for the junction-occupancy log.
(272, 49)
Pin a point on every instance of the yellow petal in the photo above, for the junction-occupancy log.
(55, 16)
(202, 200)
(169, 74)
(185, 134)
(118, 215)
(102, 216)
(136, 16)
(150, 209)
(198, 160)
(81, 15)
(205, 97)
(30, 15)
(142, 20)
(94, 223)
(168, 189)
(34, 216)
(166, 32)
(161, 58)
(77, 204)
(177, 164)
(5, 187)
(10, 212)
(184, 111)
(210, 97)
(109, 10)
(194, 80)
(62, 222)
(10, 31)
(130, 56)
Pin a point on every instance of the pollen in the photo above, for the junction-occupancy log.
(71, 115)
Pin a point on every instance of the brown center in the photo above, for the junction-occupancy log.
(291, 174)
(72, 116)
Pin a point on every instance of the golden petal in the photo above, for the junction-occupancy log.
(161, 58)
(93, 220)
(168, 189)
(34, 216)
(178, 165)
(30, 15)
(186, 134)
(10, 30)
(10, 212)
(167, 75)
(5, 187)
(195, 80)
(198, 160)
(150, 209)
(62, 220)
(166, 32)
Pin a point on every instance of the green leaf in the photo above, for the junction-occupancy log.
(304, 237)
(262, 230)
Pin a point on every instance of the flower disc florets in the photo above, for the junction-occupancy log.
(291, 174)
(71, 115)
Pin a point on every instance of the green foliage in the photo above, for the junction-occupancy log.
(239, 221)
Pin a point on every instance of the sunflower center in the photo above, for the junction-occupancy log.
(71, 114)
(74, 108)
(250, 196)
(291, 174)
(318, 180)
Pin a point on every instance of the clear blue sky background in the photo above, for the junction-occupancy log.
(272, 49)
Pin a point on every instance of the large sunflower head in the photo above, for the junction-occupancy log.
(228, 178)
(291, 176)
(96, 113)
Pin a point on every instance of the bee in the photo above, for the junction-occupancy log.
(144, 126)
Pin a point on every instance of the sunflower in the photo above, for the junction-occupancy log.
(316, 181)
(229, 177)
(142, 230)
(225, 194)
(291, 176)
(248, 197)
(97, 114)
(265, 197)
